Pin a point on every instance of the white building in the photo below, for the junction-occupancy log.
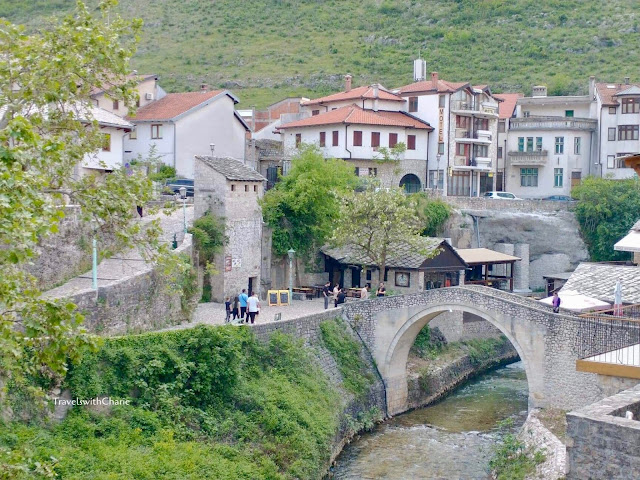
(183, 125)
(507, 110)
(147, 89)
(356, 135)
(463, 145)
(618, 109)
(551, 144)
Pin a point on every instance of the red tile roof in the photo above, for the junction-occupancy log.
(172, 105)
(355, 115)
(442, 86)
(365, 92)
(607, 94)
(508, 104)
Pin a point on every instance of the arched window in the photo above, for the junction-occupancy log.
(411, 183)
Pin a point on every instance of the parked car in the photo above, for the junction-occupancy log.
(559, 198)
(175, 184)
(501, 196)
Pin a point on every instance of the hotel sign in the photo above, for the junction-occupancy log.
(441, 125)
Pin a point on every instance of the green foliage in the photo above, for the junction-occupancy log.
(164, 172)
(303, 206)
(348, 355)
(512, 460)
(481, 350)
(428, 346)
(433, 213)
(210, 402)
(606, 210)
(208, 236)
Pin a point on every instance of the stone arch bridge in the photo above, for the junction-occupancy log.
(546, 342)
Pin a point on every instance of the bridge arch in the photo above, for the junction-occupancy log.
(394, 366)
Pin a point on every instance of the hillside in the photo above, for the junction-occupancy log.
(268, 49)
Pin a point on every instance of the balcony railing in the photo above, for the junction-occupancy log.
(483, 135)
(474, 107)
(528, 158)
(461, 161)
(553, 123)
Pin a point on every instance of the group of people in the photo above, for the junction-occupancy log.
(246, 307)
(340, 294)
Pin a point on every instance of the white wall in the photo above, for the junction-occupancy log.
(141, 145)
(616, 146)
(147, 86)
(103, 160)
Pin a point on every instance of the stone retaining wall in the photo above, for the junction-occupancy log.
(480, 203)
(601, 442)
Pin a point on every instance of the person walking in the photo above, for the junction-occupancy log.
(556, 302)
(381, 292)
(235, 307)
(326, 293)
(253, 307)
(364, 293)
(243, 305)
(227, 309)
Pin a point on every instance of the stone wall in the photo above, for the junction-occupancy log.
(603, 444)
(489, 204)
(135, 303)
(460, 326)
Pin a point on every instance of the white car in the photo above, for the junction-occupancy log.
(501, 196)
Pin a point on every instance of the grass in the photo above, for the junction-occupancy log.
(304, 47)
(512, 460)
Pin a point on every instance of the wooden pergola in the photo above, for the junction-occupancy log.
(482, 260)
(633, 161)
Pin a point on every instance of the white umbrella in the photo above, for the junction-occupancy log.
(617, 299)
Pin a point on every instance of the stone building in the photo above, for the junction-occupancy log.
(231, 190)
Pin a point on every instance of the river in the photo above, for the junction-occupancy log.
(452, 439)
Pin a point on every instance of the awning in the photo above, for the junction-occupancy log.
(481, 256)
(572, 300)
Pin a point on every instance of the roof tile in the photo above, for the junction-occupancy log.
(231, 168)
(607, 95)
(172, 105)
(508, 105)
(357, 93)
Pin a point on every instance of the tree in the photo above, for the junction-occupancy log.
(46, 130)
(304, 204)
(378, 220)
(606, 210)
(433, 213)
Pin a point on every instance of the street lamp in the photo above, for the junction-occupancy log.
(212, 146)
(438, 157)
(291, 252)
(183, 195)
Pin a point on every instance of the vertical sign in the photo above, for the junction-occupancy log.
(441, 125)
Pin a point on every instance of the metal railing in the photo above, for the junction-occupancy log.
(609, 336)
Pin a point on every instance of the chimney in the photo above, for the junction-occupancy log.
(434, 79)
(626, 80)
(539, 91)
(204, 87)
(347, 83)
(376, 89)
(592, 87)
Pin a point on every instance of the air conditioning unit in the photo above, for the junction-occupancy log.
(148, 96)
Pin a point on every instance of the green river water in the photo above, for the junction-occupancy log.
(452, 439)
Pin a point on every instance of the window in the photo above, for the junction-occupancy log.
(628, 132)
(441, 148)
(462, 121)
(568, 113)
(116, 104)
(323, 139)
(357, 171)
(620, 160)
(255, 188)
(335, 138)
(375, 139)
(529, 144)
(559, 144)
(481, 151)
(133, 134)
(612, 110)
(630, 105)
(233, 187)
(557, 177)
(441, 101)
(521, 144)
(528, 177)
(373, 172)
(501, 126)
(413, 104)
(357, 138)
(576, 145)
(526, 114)
(611, 161)
(411, 142)
(612, 134)
(106, 142)
(538, 144)
(156, 131)
(393, 140)
(499, 152)
(298, 139)
(461, 149)
(315, 112)
(246, 188)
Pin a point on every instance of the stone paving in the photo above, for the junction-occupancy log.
(127, 263)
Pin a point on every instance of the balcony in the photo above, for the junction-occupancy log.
(538, 158)
(482, 110)
(476, 163)
(553, 123)
(479, 136)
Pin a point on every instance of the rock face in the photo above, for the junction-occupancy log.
(554, 240)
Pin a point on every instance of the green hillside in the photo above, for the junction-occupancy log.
(268, 49)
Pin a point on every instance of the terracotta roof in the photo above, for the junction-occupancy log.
(172, 105)
(353, 114)
(508, 104)
(607, 94)
(231, 168)
(442, 86)
(365, 92)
